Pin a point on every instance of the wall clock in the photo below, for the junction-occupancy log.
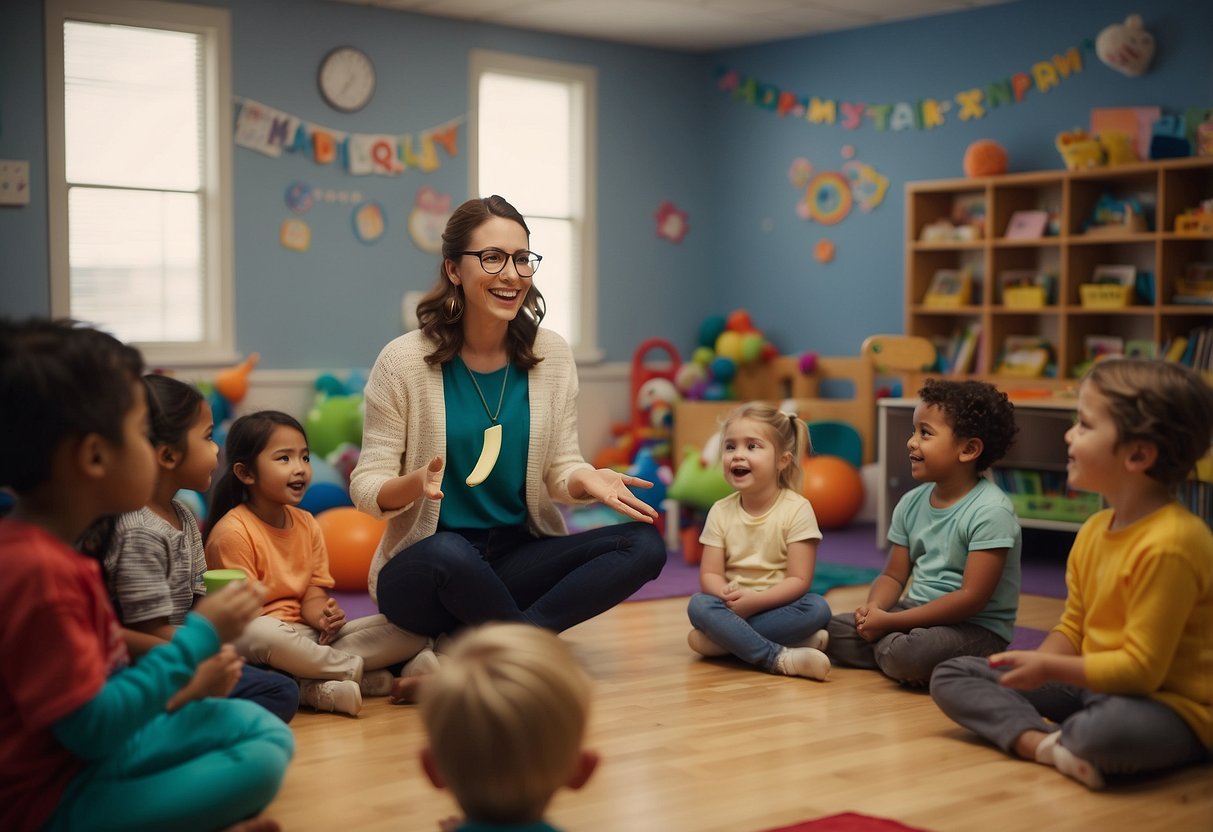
(346, 79)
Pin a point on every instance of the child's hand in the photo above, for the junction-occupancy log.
(232, 607)
(217, 676)
(450, 824)
(873, 624)
(331, 621)
(743, 602)
(1026, 669)
(432, 487)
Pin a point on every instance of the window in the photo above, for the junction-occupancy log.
(532, 142)
(139, 170)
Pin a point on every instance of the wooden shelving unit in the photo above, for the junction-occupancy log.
(1072, 255)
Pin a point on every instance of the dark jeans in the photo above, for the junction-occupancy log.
(274, 691)
(456, 578)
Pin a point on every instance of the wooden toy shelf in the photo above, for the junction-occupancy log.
(1071, 255)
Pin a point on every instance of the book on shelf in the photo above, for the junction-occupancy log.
(965, 349)
(1026, 356)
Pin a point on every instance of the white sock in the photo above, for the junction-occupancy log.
(803, 661)
(1044, 751)
(1076, 767)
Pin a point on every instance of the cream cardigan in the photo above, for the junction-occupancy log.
(406, 427)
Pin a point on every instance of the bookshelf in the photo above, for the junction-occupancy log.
(1072, 254)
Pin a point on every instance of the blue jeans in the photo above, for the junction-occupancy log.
(274, 691)
(759, 639)
(469, 576)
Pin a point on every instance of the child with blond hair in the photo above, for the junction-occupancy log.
(505, 717)
(1122, 685)
(760, 550)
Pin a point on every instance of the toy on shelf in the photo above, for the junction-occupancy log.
(1113, 216)
(1169, 139)
(1198, 220)
(985, 157)
(1078, 150)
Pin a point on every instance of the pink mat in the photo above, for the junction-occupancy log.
(848, 822)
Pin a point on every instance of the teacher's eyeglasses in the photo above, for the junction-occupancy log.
(493, 260)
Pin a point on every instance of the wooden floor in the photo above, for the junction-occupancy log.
(691, 744)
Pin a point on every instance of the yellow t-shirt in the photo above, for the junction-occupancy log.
(1139, 608)
(756, 547)
(287, 561)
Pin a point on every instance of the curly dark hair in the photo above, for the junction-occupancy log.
(975, 410)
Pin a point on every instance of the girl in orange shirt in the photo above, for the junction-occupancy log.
(257, 527)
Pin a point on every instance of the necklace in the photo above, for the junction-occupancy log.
(492, 434)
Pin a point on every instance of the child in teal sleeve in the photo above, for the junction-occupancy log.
(955, 541)
(505, 716)
(85, 739)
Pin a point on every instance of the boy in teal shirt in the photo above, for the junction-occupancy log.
(955, 541)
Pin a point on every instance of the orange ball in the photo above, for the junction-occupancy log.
(834, 487)
(351, 538)
(985, 157)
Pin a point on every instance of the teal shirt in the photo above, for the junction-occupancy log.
(939, 541)
(501, 499)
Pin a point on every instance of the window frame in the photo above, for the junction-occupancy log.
(218, 342)
(582, 80)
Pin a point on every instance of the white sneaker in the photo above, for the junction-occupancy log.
(343, 697)
(818, 641)
(426, 661)
(803, 661)
(698, 641)
(376, 683)
(1078, 768)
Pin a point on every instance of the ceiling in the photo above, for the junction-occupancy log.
(682, 25)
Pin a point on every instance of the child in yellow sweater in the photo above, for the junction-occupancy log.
(1124, 683)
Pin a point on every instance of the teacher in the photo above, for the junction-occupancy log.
(469, 442)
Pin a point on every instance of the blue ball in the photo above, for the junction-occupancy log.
(321, 496)
(722, 369)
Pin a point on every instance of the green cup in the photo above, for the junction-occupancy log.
(217, 579)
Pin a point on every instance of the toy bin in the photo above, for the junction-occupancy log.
(1106, 295)
(1073, 509)
(1024, 297)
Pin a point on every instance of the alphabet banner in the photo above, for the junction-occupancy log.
(271, 132)
(921, 114)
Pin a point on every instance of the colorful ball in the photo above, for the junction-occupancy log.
(739, 321)
(729, 345)
(703, 355)
(324, 496)
(710, 330)
(351, 538)
(751, 347)
(985, 157)
(687, 375)
(723, 369)
(835, 488)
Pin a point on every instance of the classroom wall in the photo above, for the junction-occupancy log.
(665, 132)
(764, 251)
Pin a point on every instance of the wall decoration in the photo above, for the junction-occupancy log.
(1134, 122)
(672, 223)
(295, 235)
(428, 219)
(270, 131)
(823, 252)
(923, 113)
(830, 195)
(299, 197)
(1126, 47)
(369, 222)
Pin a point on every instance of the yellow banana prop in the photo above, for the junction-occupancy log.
(488, 456)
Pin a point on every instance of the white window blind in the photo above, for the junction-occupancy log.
(533, 145)
(139, 167)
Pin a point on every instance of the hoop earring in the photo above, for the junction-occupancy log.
(537, 309)
(452, 307)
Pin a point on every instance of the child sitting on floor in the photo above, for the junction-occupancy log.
(955, 539)
(760, 548)
(257, 527)
(1124, 683)
(83, 737)
(505, 716)
(153, 559)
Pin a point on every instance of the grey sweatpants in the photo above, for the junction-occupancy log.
(1116, 734)
(908, 657)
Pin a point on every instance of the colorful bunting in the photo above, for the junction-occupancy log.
(270, 131)
(920, 114)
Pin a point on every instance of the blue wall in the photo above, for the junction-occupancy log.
(665, 132)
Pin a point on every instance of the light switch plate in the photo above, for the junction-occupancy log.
(14, 182)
